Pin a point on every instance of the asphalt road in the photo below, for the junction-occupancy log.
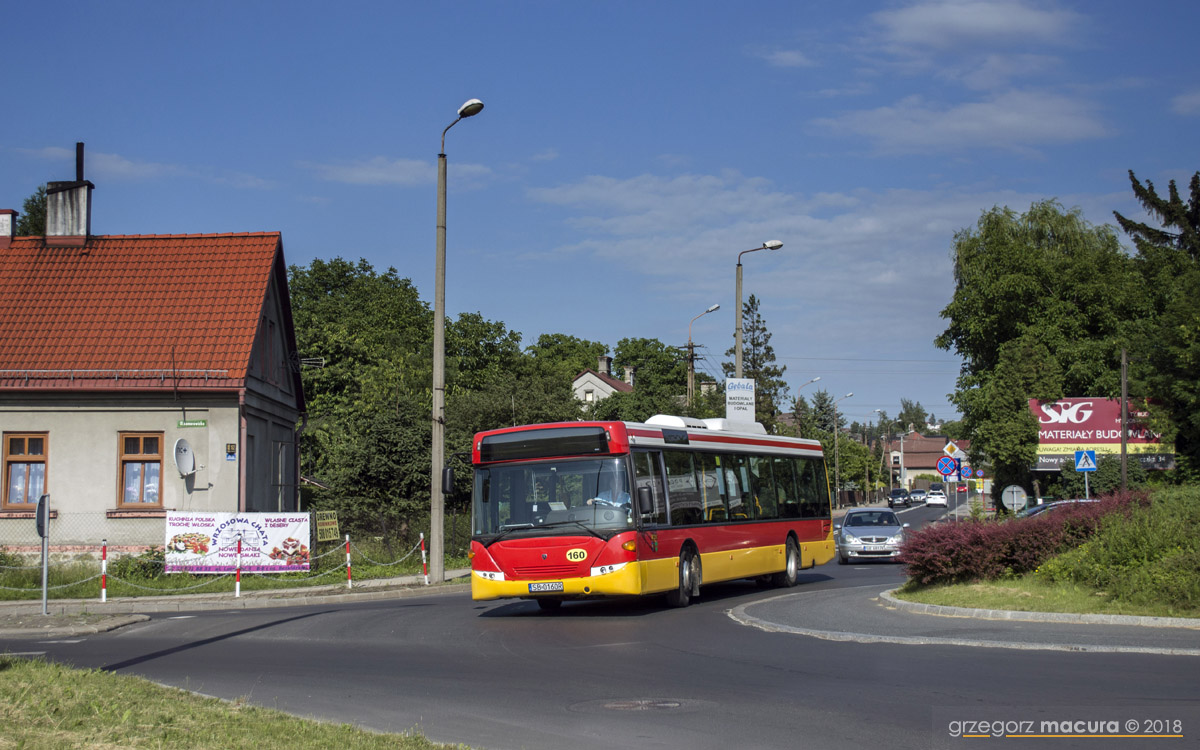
(626, 673)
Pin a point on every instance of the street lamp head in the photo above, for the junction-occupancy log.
(714, 308)
(471, 108)
(769, 244)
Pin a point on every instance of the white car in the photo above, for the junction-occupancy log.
(936, 497)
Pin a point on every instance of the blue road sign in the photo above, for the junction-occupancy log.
(946, 466)
(966, 472)
(1085, 460)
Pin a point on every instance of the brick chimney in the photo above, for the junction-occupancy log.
(8, 227)
(604, 367)
(69, 208)
(629, 375)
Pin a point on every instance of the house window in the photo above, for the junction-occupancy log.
(24, 468)
(589, 396)
(141, 469)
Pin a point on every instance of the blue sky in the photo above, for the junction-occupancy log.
(627, 153)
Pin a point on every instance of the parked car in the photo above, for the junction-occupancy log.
(868, 534)
(936, 497)
(1037, 510)
(899, 496)
(917, 496)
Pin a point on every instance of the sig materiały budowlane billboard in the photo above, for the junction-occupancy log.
(1081, 424)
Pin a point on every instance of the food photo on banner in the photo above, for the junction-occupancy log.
(208, 542)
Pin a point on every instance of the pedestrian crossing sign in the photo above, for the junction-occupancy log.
(1085, 460)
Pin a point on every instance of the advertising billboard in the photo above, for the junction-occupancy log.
(1081, 424)
(208, 542)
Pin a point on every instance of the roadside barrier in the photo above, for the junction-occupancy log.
(104, 576)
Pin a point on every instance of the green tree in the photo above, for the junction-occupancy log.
(565, 356)
(660, 381)
(758, 363)
(913, 415)
(1042, 306)
(32, 221)
(1105, 479)
(1166, 362)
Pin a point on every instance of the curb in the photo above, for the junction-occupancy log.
(103, 626)
(740, 615)
(1022, 616)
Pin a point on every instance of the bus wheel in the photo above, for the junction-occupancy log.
(791, 567)
(689, 579)
(549, 605)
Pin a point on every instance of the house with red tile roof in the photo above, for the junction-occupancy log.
(141, 374)
(915, 456)
(590, 386)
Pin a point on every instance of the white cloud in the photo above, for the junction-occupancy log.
(948, 24)
(1015, 120)
(102, 166)
(381, 170)
(788, 58)
(1186, 104)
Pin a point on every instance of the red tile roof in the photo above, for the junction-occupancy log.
(133, 309)
(615, 383)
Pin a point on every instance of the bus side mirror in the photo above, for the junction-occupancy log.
(645, 501)
(448, 480)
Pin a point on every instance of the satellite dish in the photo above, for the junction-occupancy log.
(185, 460)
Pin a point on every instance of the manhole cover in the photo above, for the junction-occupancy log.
(642, 705)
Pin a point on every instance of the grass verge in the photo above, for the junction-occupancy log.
(1032, 594)
(50, 706)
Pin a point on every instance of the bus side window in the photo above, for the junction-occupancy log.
(647, 474)
(738, 497)
(712, 492)
(683, 492)
(761, 479)
(810, 490)
(785, 486)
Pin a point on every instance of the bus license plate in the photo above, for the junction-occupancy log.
(541, 588)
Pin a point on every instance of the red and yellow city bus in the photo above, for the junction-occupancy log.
(577, 510)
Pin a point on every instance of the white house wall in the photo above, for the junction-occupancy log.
(83, 467)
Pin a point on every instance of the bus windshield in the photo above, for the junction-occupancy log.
(569, 496)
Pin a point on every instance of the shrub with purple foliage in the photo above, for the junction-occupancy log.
(972, 551)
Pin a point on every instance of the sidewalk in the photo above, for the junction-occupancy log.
(24, 618)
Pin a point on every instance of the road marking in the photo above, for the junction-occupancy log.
(77, 640)
(25, 653)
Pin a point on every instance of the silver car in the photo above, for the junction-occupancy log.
(868, 534)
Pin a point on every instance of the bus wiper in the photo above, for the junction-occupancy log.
(507, 529)
(581, 524)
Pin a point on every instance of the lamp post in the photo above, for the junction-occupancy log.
(691, 385)
(837, 470)
(890, 423)
(438, 441)
(768, 245)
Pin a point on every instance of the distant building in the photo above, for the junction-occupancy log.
(915, 455)
(596, 385)
(141, 374)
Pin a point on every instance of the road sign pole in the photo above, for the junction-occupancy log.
(1087, 493)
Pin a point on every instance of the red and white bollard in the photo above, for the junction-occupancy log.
(348, 579)
(103, 571)
(424, 563)
(237, 581)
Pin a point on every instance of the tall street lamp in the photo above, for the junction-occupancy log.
(889, 426)
(837, 469)
(438, 447)
(768, 245)
(691, 355)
